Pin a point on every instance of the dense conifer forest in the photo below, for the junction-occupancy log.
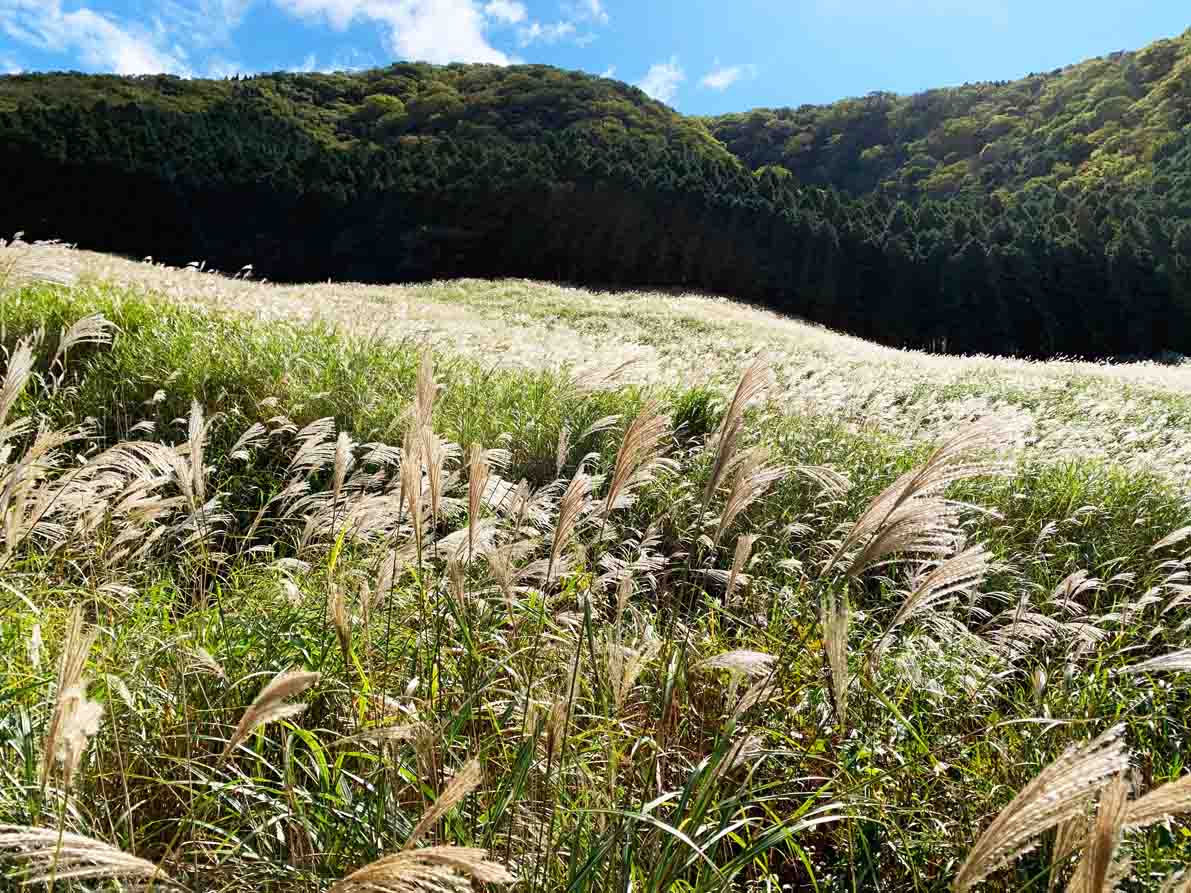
(1049, 215)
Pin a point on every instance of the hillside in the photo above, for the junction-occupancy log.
(1117, 123)
(1135, 416)
(295, 604)
(417, 172)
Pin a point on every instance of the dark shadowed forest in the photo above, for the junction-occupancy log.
(1045, 216)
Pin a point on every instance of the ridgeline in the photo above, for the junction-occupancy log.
(1049, 215)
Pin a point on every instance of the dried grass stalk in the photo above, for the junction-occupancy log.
(1164, 802)
(834, 619)
(1096, 871)
(75, 857)
(749, 483)
(638, 454)
(957, 574)
(1172, 662)
(756, 379)
(737, 576)
(478, 472)
(73, 719)
(269, 705)
(1060, 792)
(465, 781)
(450, 869)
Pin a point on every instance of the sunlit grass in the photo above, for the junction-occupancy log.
(658, 694)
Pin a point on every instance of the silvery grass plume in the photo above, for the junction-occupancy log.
(834, 621)
(22, 264)
(342, 620)
(624, 665)
(1098, 870)
(575, 502)
(1160, 804)
(465, 781)
(755, 381)
(751, 478)
(1060, 792)
(909, 517)
(16, 377)
(1069, 838)
(74, 718)
(1171, 539)
(478, 472)
(959, 573)
(638, 457)
(201, 661)
(93, 329)
(425, 390)
(269, 705)
(438, 869)
(739, 664)
(50, 855)
(599, 378)
(735, 576)
(1171, 662)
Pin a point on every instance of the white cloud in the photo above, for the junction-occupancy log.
(609, 72)
(587, 11)
(663, 79)
(98, 40)
(423, 30)
(9, 66)
(536, 32)
(506, 12)
(721, 77)
(202, 22)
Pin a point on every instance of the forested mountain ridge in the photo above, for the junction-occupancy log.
(1113, 121)
(417, 171)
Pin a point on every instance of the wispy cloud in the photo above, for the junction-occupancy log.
(609, 72)
(536, 32)
(506, 12)
(663, 80)
(201, 23)
(96, 39)
(424, 30)
(587, 11)
(9, 66)
(721, 77)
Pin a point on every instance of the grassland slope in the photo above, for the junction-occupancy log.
(292, 603)
(1137, 415)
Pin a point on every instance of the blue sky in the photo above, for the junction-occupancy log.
(701, 56)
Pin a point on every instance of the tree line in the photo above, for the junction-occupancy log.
(417, 171)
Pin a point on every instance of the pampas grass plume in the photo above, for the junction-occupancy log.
(269, 705)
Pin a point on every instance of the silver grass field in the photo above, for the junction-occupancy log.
(322, 589)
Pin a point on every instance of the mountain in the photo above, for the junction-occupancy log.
(1117, 121)
(1047, 216)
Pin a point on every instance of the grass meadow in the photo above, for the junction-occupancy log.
(296, 601)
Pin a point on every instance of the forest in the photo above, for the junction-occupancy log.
(1040, 217)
